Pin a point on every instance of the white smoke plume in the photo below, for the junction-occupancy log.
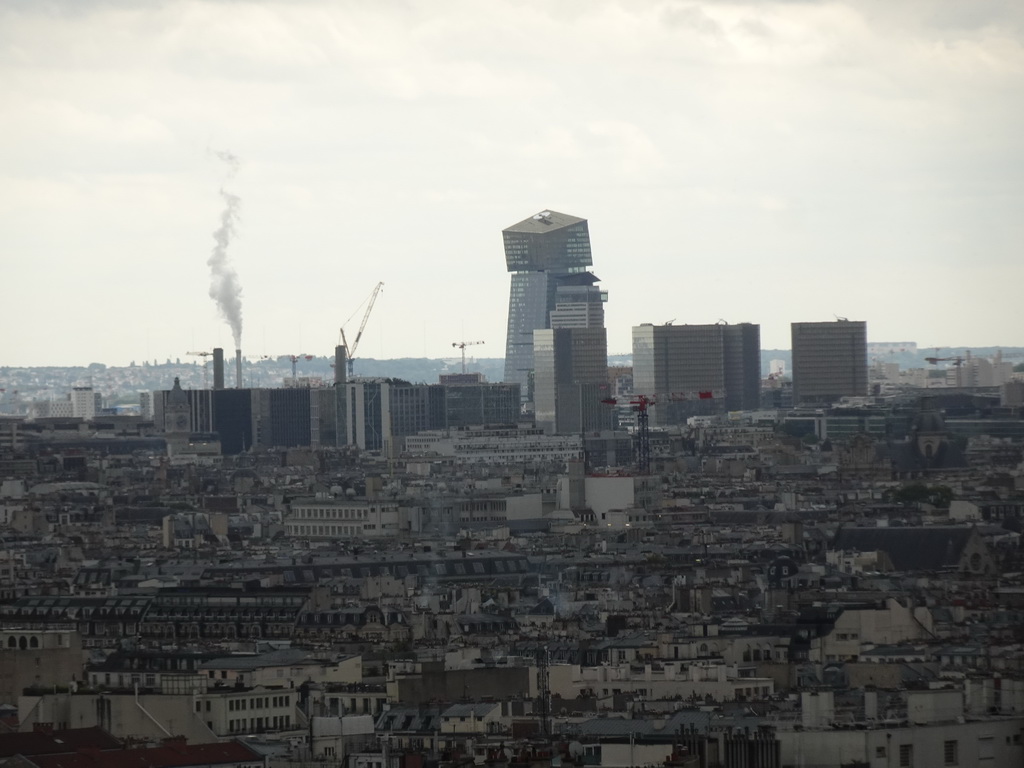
(225, 287)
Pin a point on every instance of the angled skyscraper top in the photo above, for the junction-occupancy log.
(540, 252)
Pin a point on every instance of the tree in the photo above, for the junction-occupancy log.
(1018, 368)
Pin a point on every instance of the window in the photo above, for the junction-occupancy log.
(950, 752)
(986, 748)
(906, 755)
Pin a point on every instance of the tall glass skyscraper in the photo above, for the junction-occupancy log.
(542, 252)
(571, 361)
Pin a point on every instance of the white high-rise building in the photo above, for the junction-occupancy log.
(84, 403)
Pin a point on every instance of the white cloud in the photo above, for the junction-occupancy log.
(749, 147)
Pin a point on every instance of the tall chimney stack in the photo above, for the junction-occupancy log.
(238, 368)
(340, 364)
(218, 368)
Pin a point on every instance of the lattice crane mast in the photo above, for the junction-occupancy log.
(350, 351)
(642, 405)
(462, 347)
(295, 360)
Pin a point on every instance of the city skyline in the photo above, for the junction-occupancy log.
(755, 162)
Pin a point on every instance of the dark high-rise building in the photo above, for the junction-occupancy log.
(478, 403)
(246, 419)
(283, 417)
(685, 360)
(233, 420)
(540, 252)
(571, 380)
(741, 349)
(380, 411)
(830, 361)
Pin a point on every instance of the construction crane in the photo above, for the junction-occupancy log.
(206, 373)
(462, 346)
(350, 351)
(957, 362)
(642, 404)
(295, 360)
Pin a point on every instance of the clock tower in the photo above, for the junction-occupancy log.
(177, 412)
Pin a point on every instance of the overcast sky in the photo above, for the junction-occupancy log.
(761, 162)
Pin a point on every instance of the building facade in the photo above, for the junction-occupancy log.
(380, 411)
(684, 360)
(351, 519)
(480, 403)
(571, 380)
(830, 361)
(539, 251)
(741, 350)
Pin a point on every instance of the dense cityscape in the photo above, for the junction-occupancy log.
(699, 553)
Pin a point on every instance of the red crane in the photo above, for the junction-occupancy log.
(295, 359)
(641, 404)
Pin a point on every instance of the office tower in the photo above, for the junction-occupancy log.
(382, 411)
(571, 380)
(540, 252)
(571, 361)
(247, 419)
(282, 417)
(830, 361)
(233, 420)
(579, 303)
(742, 352)
(475, 404)
(684, 360)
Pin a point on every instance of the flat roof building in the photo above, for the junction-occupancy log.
(685, 360)
(830, 361)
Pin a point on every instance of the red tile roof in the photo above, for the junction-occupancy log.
(168, 755)
(41, 742)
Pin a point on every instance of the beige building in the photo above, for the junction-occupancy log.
(200, 717)
(342, 519)
(37, 657)
(888, 624)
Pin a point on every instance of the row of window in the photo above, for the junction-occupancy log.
(23, 642)
(260, 702)
(331, 513)
(329, 530)
(259, 723)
